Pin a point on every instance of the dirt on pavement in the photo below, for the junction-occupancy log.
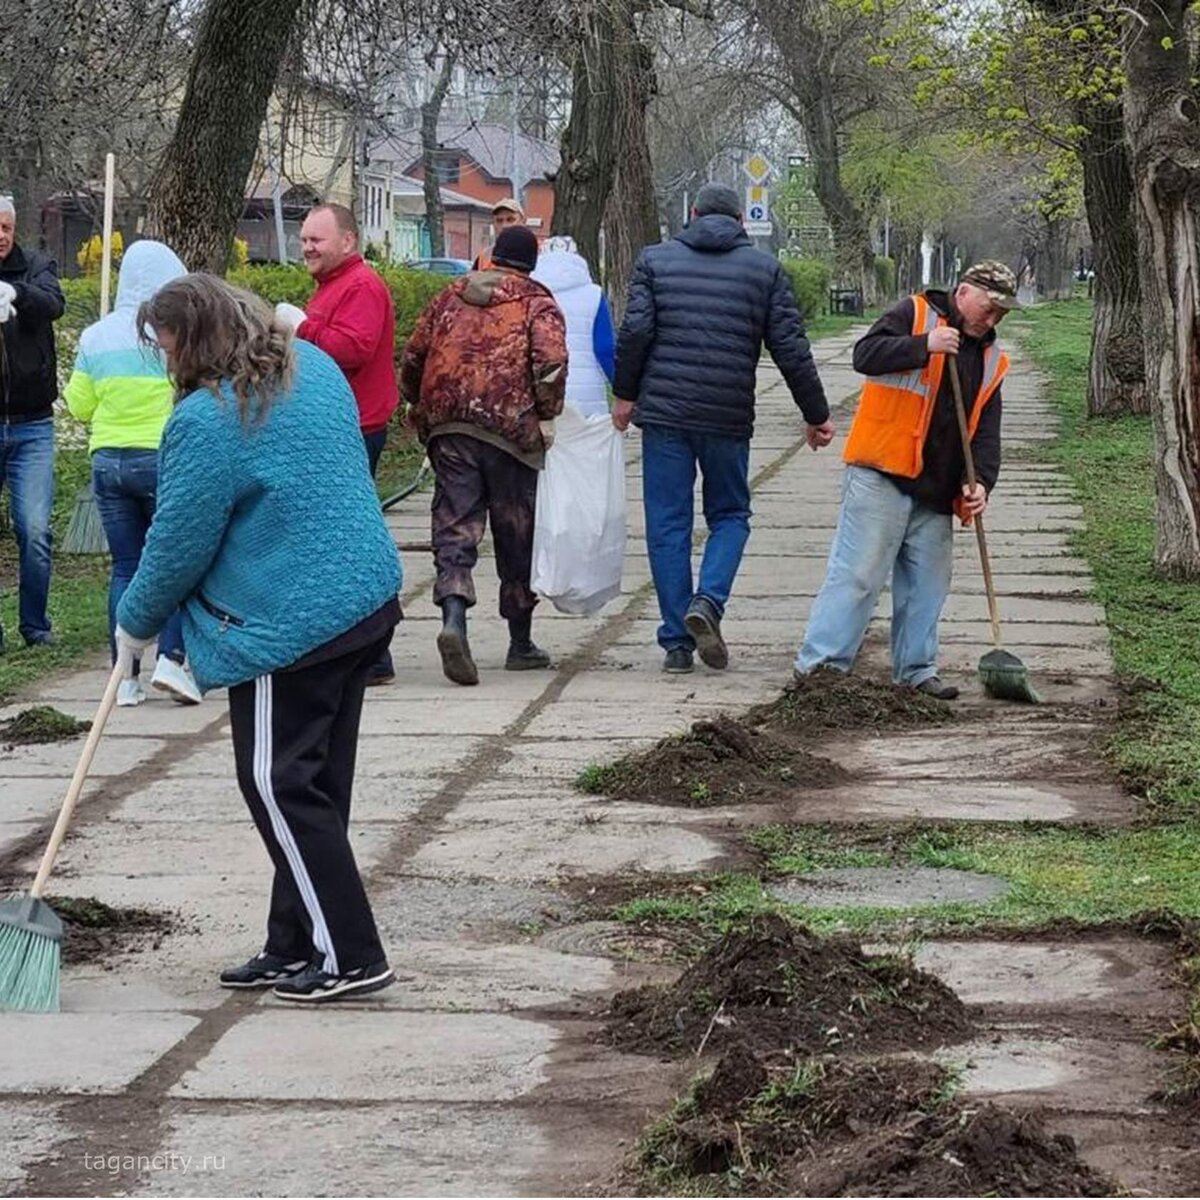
(39, 725)
(773, 986)
(94, 932)
(824, 1127)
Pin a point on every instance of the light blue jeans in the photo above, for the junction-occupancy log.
(881, 530)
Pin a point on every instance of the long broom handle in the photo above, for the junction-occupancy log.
(80, 777)
(110, 165)
(984, 561)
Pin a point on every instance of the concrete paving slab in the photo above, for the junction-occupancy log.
(411, 1056)
(551, 850)
(75, 1052)
(115, 756)
(888, 887)
(29, 1129)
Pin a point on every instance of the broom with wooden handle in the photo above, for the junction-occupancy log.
(85, 530)
(30, 930)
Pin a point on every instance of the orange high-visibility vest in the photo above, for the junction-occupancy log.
(895, 410)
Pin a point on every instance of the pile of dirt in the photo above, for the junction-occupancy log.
(829, 700)
(94, 931)
(776, 987)
(718, 761)
(823, 1127)
(39, 725)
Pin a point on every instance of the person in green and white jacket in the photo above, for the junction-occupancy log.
(121, 388)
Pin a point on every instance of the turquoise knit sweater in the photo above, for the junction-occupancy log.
(270, 535)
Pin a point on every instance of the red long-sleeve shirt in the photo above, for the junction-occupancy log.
(351, 318)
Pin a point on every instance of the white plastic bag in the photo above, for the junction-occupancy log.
(579, 532)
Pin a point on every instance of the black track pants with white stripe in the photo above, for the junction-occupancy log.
(295, 741)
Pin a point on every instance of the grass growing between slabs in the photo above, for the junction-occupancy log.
(1152, 621)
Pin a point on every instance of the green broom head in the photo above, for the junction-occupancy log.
(30, 947)
(1004, 677)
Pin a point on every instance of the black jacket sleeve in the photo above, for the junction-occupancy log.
(39, 298)
(985, 445)
(636, 334)
(790, 349)
(889, 345)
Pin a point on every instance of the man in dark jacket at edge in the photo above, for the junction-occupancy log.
(901, 489)
(30, 302)
(699, 311)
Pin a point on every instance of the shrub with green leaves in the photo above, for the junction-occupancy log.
(810, 281)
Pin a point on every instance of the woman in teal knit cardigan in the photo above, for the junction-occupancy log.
(269, 535)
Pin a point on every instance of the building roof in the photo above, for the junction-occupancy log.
(406, 185)
(488, 145)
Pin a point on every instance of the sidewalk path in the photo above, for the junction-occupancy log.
(479, 1073)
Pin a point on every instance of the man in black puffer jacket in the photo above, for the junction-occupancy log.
(30, 302)
(700, 309)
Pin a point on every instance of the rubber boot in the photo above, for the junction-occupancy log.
(523, 655)
(457, 663)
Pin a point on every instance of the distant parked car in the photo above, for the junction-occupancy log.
(440, 266)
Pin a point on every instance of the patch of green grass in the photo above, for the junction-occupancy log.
(1152, 621)
(717, 903)
(1087, 875)
(597, 778)
(825, 325)
(399, 462)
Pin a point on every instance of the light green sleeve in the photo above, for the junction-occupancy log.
(81, 394)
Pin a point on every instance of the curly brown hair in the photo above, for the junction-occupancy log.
(222, 335)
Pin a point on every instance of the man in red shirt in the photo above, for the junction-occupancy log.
(351, 318)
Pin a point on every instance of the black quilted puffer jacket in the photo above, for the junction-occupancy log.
(700, 309)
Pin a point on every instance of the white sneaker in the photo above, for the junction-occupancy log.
(130, 693)
(177, 681)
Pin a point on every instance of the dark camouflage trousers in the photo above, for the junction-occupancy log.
(475, 481)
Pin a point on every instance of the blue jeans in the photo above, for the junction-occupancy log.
(669, 460)
(27, 465)
(126, 487)
(881, 530)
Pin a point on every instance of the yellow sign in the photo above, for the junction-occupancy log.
(757, 168)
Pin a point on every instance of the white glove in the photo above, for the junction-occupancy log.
(133, 646)
(8, 301)
(289, 315)
(547, 428)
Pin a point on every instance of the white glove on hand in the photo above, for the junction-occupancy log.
(289, 315)
(133, 646)
(8, 301)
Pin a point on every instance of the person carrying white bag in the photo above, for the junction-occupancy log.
(579, 528)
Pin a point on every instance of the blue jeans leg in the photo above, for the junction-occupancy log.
(27, 463)
(125, 483)
(724, 465)
(668, 480)
(920, 585)
(870, 532)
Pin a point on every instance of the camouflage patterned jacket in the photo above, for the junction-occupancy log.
(490, 351)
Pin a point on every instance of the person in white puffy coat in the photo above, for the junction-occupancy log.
(591, 341)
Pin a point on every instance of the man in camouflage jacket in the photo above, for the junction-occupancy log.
(484, 368)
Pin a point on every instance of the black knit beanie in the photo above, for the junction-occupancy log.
(516, 247)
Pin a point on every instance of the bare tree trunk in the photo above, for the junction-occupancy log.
(1117, 369)
(1161, 118)
(588, 161)
(631, 219)
(199, 189)
(431, 111)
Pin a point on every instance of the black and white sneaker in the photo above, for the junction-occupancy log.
(262, 971)
(316, 986)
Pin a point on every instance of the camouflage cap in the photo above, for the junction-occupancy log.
(995, 279)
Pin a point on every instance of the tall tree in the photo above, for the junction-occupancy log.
(198, 192)
(1162, 120)
(431, 111)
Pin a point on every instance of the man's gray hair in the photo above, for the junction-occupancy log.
(717, 198)
(7, 205)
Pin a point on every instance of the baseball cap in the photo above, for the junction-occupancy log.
(509, 204)
(996, 280)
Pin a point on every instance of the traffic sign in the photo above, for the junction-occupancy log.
(758, 204)
(759, 228)
(758, 168)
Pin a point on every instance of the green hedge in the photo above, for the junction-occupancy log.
(885, 276)
(411, 291)
(810, 281)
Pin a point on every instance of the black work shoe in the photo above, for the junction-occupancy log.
(934, 687)
(263, 970)
(379, 676)
(457, 663)
(526, 658)
(704, 624)
(315, 986)
(678, 661)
